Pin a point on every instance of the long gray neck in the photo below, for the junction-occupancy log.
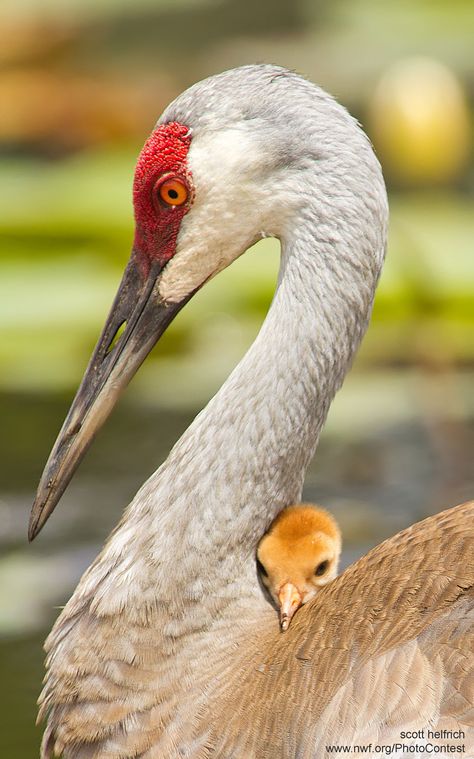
(195, 523)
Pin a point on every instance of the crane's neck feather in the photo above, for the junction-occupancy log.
(175, 587)
(190, 533)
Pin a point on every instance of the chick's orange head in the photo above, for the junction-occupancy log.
(299, 554)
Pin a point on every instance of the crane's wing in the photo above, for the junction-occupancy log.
(386, 647)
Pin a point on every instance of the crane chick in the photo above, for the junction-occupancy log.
(297, 556)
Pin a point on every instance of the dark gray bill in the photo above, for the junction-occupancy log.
(141, 318)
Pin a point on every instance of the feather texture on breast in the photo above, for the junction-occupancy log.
(385, 647)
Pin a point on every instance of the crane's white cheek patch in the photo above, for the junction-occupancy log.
(233, 203)
(182, 275)
(191, 268)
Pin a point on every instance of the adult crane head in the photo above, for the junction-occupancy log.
(254, 151)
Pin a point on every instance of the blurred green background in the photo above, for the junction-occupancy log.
(81, 85)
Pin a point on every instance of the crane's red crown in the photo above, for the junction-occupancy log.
(162, 158)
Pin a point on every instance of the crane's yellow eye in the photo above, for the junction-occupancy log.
(173, 192)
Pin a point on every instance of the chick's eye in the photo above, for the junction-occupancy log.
(173, 192)
(321, 568)
(261, 569)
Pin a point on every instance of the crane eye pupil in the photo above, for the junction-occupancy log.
(172, 191)
(321, 568)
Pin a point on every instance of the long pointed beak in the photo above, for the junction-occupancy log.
(290, 601)
(142, 317)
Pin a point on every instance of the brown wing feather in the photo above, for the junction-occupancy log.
(388, 644)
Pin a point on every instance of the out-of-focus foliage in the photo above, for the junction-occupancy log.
(420, 122)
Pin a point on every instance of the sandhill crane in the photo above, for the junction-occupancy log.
(167, 647)
(298, 556)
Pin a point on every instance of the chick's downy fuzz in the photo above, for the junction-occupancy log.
(297, 556)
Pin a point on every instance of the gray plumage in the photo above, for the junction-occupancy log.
(167, 647)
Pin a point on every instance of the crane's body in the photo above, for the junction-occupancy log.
(157, 653)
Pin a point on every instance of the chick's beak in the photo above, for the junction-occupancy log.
(142, 315)
(290, 601)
